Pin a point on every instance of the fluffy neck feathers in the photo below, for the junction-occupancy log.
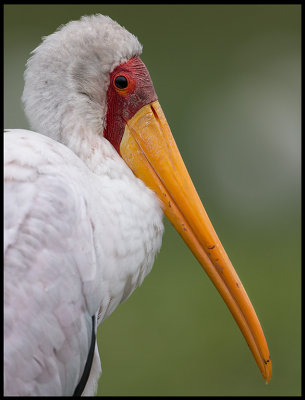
(67, 77)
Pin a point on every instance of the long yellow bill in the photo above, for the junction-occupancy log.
(149, 149)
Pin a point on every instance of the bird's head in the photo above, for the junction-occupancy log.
(68, 75)
(86, 82)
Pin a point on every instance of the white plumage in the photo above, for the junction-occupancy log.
(81, 230)
(82, 240)
(81, 233)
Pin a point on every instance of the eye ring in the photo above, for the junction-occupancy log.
(121, 81)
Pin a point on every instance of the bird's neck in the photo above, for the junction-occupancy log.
(96, 152)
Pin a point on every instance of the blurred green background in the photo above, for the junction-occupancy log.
(228, 79)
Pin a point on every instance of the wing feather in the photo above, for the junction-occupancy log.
(48, 241)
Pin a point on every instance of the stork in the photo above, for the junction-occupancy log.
(83, 207)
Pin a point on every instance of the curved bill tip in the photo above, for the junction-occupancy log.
(149, 149)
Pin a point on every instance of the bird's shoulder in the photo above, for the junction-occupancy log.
(42, 194)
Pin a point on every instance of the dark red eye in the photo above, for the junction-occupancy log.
(121, 82)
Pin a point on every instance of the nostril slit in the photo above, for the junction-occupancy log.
(154, 112)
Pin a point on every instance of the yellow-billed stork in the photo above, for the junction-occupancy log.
(84, 200)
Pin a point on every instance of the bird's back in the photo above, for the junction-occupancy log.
(76, 245)
(48, 242)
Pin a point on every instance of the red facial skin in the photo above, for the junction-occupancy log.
(122, 104)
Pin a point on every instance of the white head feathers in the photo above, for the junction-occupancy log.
(68, 75)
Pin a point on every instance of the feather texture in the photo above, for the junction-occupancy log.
(77, 243)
